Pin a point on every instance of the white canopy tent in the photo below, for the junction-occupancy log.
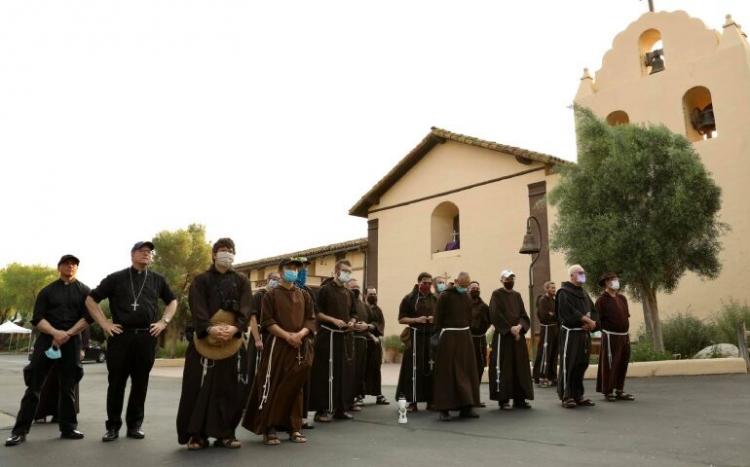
(11, 328)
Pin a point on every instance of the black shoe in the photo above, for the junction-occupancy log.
(136, 433)
(521, 404)
(110, 435)
(15, 440)
(72, 434)
(504, 405)
(343, 416)
(445, 416)
(307, 426)
(468, 413)
(381, 400)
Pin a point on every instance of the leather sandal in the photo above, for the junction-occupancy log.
(270, 439)
(297, 437)
(195, 443)
(569, 404)
(610, 397)
(229, 443)
(624, 396)
(323, 418)
(585, 403)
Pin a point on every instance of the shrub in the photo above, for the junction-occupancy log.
(686, 335)
(726, 321)
(643, 351)
(180, 347)
(393, 342)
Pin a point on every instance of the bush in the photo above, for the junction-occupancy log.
(643, 351)
(393, 342)
(725, 321)
(686, 335)
(180, 347)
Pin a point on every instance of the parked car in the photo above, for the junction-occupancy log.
(94, 353)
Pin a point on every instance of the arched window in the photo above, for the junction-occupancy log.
(652, 52)
(618, 117)
(698, 107)
(446, 228)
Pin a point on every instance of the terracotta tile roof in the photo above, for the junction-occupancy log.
(311, 253)
(434, 137)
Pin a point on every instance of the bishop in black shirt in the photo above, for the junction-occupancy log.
(133, 295)
(59, 316)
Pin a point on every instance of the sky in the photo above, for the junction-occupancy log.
(267, 121)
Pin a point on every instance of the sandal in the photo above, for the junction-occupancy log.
(610, 397)
(195, 443)
(323, 418)
(270, 439)
(229, 443)
(412, 408)
(624, 396)
(585, 403)
(297, 437)
(569, 404)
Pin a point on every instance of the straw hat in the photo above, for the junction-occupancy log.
(210, 347)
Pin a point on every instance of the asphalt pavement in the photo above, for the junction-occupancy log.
(675, 421)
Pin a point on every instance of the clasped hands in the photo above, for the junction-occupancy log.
(222, 332)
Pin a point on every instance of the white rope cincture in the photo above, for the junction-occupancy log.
(240, 378)
(267, 383)
(565, 360)
(206, 363)
(330, 365)
(414, 365)
(544, 347)
(497, 363)
(609, 344)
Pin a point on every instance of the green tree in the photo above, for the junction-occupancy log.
(639, 202)
(19, 286)
(180, 256)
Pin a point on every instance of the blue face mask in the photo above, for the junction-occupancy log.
(581, 278)
(460, 289)
(273, 283)
(290, 275)
(53, 353)
(301, 277)
(440, 287)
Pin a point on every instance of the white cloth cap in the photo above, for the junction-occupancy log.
(507, 273)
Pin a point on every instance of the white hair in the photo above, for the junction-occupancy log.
(574, 269)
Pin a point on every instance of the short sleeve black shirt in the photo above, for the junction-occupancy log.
(128, 287)
(61, 304)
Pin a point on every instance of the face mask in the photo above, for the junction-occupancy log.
(615, 285)
(474, 294)
(290, 275)
(344, 276)
(509, 285)
(53, 353)
(581, 278)
(356, 293)
(424, 288)
(273, 283)
(440, 287)
(224, 259)
(301, 277)
(460, 289)
(372, 300)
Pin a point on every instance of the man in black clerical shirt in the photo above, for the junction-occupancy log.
(59, 316)
(133, 295)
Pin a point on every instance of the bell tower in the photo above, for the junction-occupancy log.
(669, 68)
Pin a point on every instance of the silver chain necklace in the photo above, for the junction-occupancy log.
(135, 304)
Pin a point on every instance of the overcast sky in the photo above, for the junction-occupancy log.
(266, 121)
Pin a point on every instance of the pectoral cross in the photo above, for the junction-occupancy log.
(299, 357)
(135, 305)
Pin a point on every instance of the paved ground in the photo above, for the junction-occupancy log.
(675, 421)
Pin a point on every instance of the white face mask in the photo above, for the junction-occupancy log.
(615, 284)
(224, 259)
(344, 276)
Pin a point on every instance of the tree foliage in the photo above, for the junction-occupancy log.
(19, 286)
(638, 202)
(181, 255)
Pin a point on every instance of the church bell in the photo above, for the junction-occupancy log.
(654, 60)
(530, 244)
(703, 120)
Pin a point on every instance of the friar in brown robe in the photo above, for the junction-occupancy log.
(276, 398)
(456, 383)
(376, 328)
(545, 363)
(360, 347)
(255, 335)
(510, 374)
(577, 317)
(614, 323)
(480, 323)
(211, 402)
(331, 391)
(416, 312)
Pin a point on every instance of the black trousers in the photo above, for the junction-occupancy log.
(129, 355)
(69, 372)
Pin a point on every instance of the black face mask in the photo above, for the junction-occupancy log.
(474, 294)
(356, 293)
(509, 285)
(372, 300)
